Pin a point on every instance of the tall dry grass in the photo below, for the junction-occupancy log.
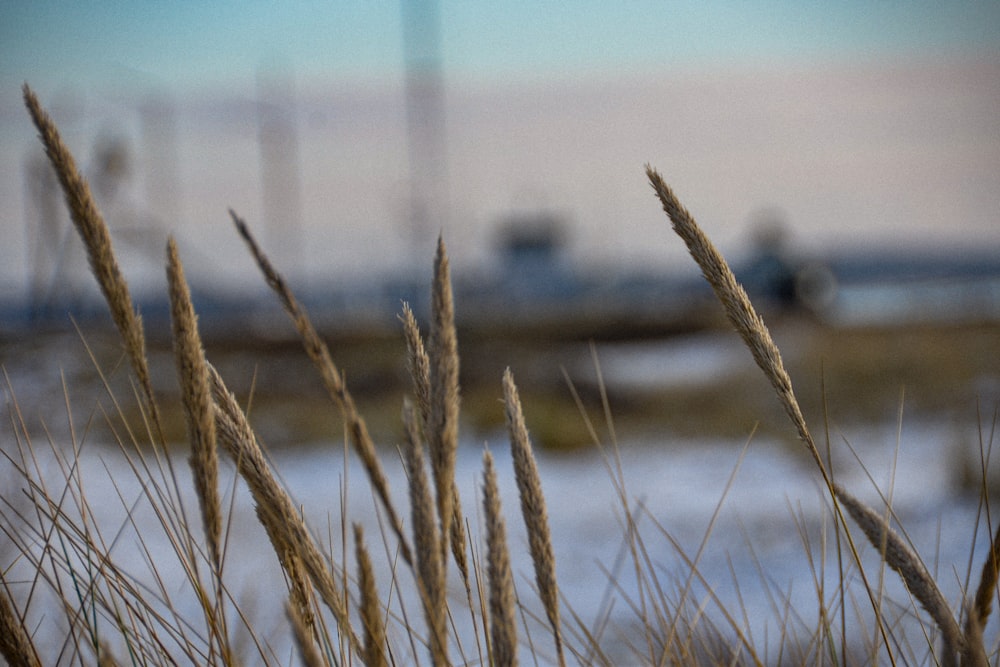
(97, 611)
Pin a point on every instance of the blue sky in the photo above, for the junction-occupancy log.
(191, 44)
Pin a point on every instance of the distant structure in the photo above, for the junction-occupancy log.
(280, 176)
(425, 122)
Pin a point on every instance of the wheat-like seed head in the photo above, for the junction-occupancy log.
(93, 231)
(371, 612)
(907, 565)
(736, 304)
(196, 396)
(302, 633)
(442, 427)
(275, 509)
(503, 624)
(533, 508)
(319, 354)
(430, 568)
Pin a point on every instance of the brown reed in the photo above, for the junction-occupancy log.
(442, 424)
(737, 306)
(533, 509)
(93, 231)
(371, 611)
(755, 335)
(15, 644)
(285, 528)
(430, 569)
(417, 363)
(503, 625)
(333, 381)
(196, 395)
(302, 634)
(907, 564)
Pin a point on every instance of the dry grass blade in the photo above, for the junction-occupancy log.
(908, 566)
(736, 303)
(442, 424)
(371, 612)
(15, 644)
(503, 627)
(430, 569)
(533, 508)
(92, 229)
(285, 527)
(319, 353)
(196, 396)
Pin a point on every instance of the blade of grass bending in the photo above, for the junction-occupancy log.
(319, 353)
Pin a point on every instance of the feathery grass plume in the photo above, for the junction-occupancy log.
(736, 303)
(303, 638)
(371, 613)
(319, 353)
(15, 644)
(533, 508)
(275, 509)
(503, 624)
(417, 363)
(442, 424)
(92, 229)
(196, 395)
(909, 567)
(430, 569)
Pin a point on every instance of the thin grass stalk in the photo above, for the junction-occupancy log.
(442, 424)
(533, 509)
(94, 232)
(371, 612)
(275, 509)
(15, 644)
(333, 381)
(503, 620)
(430, 569)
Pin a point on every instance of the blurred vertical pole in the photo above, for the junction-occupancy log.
(425, 124)
(43, 230)
(158, 120)
(281, 186)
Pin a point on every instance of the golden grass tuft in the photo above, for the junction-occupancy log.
(503, 622)
(105, 610)
(97, 240)
(533, 509)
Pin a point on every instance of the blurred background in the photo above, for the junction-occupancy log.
(844, 156)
